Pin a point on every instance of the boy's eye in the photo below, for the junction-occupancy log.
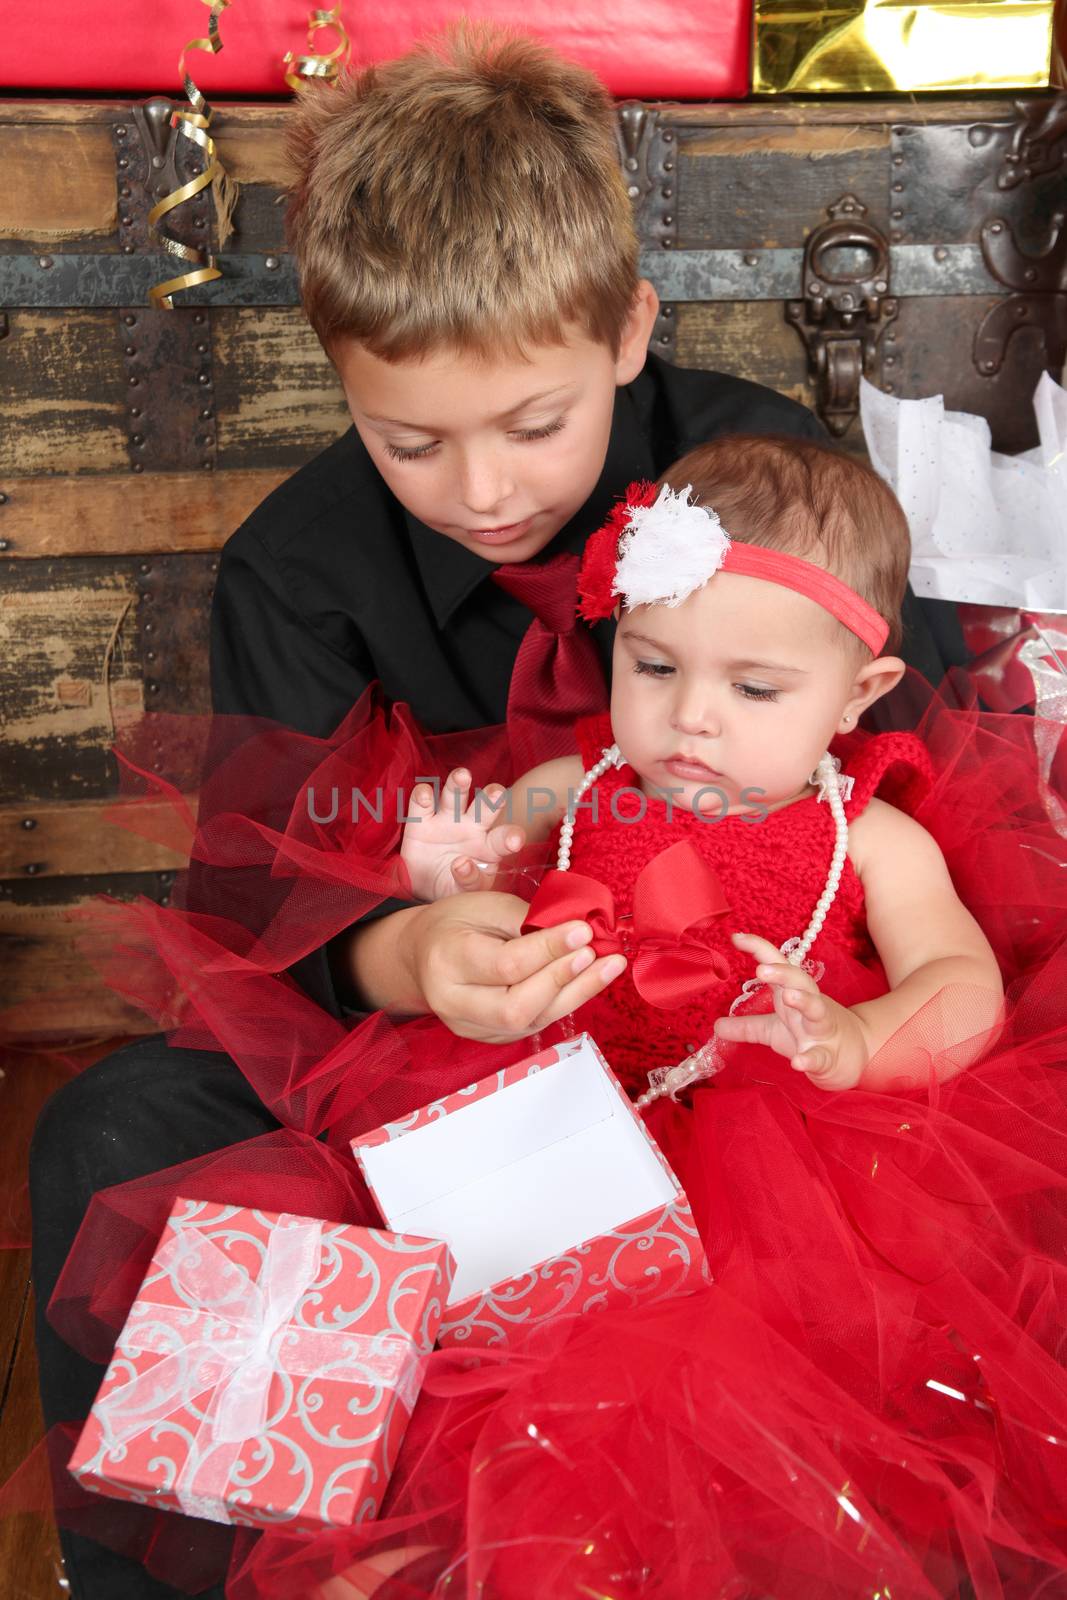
(399, 453)
(653, 669)
(750, 692)
(541, 433)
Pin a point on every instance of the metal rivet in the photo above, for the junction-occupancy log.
(130, 320)
(200, 222)
(898, 161)
(1020, 310)
(896, 215)
(205, 466)
(135, 411)
(815, 289)
(881, 286)
(44, 261)
(120, 132)
(127, 249)
(29, 822)
(127, 222)
(978, 136)
(666, 311)
(271, 263)
(896, 235)
(144, 567)
(204, 379)
(206, 412)
(214, 566)
(940, 254)
(3, 499)
(888, 387)
(4, 544)
(123, 161)
(124, 191)
(898, 188)
(147, 627)
(664, 338)
(989, 366)
(138, 466)
(1030, 275)
(668, 166)
(996, 227)
(633, 191)
(157, 162)
(202, 349)
(890, 361)
(147, 595)
(667, 221)
(150, 655)
(631, 164)
(668, 191)
(668, 137)
(138, 438)
(199, 319)
(751, 261)
(33, 868)
(204, 439)
(131, 349)
(153, 688)
(135, 383)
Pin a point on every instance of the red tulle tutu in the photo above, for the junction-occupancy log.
(870, 1399)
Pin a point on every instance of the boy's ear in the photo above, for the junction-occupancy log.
(636, 332)
(870, 684)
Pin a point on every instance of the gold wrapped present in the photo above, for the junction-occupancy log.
(878, 46)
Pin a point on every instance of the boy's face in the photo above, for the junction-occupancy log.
(495, 453)
(741, 687)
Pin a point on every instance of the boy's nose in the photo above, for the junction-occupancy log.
(485, 487)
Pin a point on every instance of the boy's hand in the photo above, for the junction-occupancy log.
(485, 980)
(453, 845)
(813, 1032)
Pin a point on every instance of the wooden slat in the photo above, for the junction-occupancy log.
(128, 514)
(50, 990)
(278, 398)
(59, 182)
(88, 836)
(63, 393)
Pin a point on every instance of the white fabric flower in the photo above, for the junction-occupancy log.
(669, 550)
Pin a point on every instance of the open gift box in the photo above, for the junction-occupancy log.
(548, 1189)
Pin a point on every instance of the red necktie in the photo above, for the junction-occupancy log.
(557, 676)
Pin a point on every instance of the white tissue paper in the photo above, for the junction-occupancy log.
(987, 529)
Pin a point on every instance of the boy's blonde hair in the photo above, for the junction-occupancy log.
(812, 501)
(467, 195)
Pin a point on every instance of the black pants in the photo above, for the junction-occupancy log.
(143, 1108)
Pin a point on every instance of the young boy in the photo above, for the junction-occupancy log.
(468, 259)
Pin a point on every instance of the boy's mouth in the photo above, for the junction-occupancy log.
(513, 530)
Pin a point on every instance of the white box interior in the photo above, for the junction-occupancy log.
(522, 1175)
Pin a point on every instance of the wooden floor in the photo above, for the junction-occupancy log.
(30, 1561)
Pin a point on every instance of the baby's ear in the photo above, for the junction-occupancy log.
(873, 681)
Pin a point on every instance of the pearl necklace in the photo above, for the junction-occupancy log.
(707, 1060)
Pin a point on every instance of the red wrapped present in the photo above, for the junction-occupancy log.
(549, 1189)
(653, 49)
(267, 1371)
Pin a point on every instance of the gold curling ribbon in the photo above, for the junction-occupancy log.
(327, 66)
(193, 125)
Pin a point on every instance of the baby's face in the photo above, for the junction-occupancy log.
(737, 692)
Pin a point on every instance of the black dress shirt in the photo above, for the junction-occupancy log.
(331, 583)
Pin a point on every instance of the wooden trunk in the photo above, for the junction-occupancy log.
(133, 441)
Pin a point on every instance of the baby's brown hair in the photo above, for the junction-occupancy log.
(467, 195)
(812, 501)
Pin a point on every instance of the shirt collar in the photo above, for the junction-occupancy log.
(450, 572)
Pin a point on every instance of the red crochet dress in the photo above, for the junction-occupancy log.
(772, 871)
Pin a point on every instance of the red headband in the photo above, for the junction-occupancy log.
(597, 579)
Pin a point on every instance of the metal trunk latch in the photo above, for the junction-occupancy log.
(845, 310)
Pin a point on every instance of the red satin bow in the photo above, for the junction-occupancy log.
(672, 962)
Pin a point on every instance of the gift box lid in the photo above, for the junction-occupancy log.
(536, 1160)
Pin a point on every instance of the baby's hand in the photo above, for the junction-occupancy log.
(452, 847)
(817, 1035)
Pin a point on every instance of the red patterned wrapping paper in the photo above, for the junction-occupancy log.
(647, 1257)
(313, 1335)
